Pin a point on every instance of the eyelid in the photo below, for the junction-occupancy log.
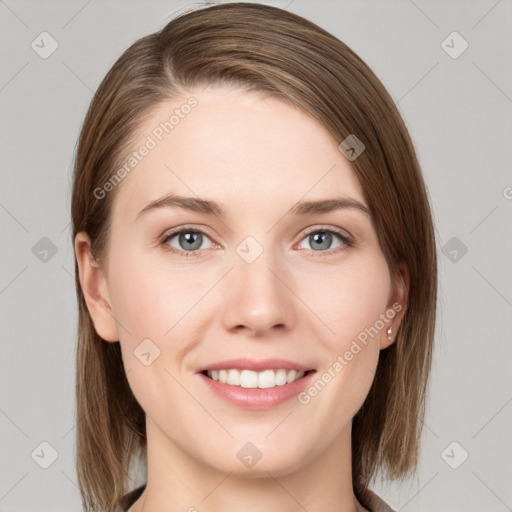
(344, 235)
(342, 232)
(347, 240)
(163, 239)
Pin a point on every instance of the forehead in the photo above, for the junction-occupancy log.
(241, 148)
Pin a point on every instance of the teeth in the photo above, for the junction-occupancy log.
(281, 377)
(266, 379)
(291, 376)
(234, 377)
(251, 379)
(248, 379)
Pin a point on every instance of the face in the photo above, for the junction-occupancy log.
(244, 284)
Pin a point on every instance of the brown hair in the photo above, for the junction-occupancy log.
(262, 48)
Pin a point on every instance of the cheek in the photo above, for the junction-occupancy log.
(154, 309)
(350, 297)
(350, 300)
(146, 311)
(148, 302)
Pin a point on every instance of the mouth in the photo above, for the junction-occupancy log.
(256, 384)
(251, 379)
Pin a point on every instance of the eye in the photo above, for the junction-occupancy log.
(188, 241)
(320, 240)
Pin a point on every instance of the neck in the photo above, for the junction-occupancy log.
(178, 481)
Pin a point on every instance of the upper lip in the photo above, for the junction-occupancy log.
(255, 365)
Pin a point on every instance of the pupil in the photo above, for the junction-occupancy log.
(318, 236)
(191, 240)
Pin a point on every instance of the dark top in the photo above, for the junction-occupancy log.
(376, 504)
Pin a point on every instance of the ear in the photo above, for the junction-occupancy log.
(95, 289)
(398, 304)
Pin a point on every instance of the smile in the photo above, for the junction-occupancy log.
(253, 379)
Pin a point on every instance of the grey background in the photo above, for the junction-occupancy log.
(459, 113)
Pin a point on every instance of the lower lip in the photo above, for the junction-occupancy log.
(257, 398)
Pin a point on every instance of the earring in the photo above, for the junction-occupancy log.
(389, 331)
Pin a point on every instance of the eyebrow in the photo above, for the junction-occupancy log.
(196, 204)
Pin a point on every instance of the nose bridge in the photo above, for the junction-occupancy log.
(257, 297)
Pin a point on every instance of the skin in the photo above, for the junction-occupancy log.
(256, 156)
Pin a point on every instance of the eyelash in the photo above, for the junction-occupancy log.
(346, 240)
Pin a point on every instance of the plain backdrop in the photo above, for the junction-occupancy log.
(448, 66)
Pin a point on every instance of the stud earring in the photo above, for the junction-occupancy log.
(389, 331)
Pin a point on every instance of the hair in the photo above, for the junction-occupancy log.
(258, 48)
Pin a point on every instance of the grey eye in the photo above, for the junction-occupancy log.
(187, 240)
(322, 239)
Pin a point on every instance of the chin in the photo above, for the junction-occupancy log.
(250, 461)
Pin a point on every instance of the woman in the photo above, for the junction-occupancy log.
(255, 270)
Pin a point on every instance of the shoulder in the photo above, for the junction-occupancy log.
(375, 503)
(126, 501)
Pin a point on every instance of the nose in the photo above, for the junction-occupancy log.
(259, 297)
